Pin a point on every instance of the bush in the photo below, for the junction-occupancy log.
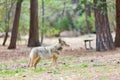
(50, 31)
(80, 23)
(63, 24)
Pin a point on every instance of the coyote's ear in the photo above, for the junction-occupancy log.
(59, 40)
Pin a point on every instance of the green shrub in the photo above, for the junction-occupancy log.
(63, 24)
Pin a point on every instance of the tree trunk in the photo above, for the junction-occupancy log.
(33, 33)
(88, 14)
(6, 23)
(117, 37)
(72, 26)
(7, 19)
(15, 26)
(104, 39)
(42, 30)
(5, 38)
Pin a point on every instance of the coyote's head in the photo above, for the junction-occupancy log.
(60, 44)
(63, 43)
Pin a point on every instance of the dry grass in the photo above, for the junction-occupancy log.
(77, 64)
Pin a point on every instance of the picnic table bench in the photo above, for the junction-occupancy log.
(89, 42)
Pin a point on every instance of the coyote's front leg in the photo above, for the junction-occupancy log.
(54, 60)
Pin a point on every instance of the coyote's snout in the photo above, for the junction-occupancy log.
(38, 53)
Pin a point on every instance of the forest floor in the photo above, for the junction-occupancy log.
(75, 63)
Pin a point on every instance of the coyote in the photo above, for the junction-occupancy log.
(49, 52)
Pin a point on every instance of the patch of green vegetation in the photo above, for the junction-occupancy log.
(117, 67)
(10, 72)
(57, 72)
(39, 70)
(66, 66)
(99, 64)
(83, 72)
(67, 59)
(24, 61)
(74, 66)
(84, 65)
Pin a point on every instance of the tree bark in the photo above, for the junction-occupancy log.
(104, 39)
(7, 19)
(42, 30)
(15, 26)
(88, 14)
(117, 37)
(33, 33)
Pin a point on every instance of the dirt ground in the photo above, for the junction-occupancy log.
(93, 65)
